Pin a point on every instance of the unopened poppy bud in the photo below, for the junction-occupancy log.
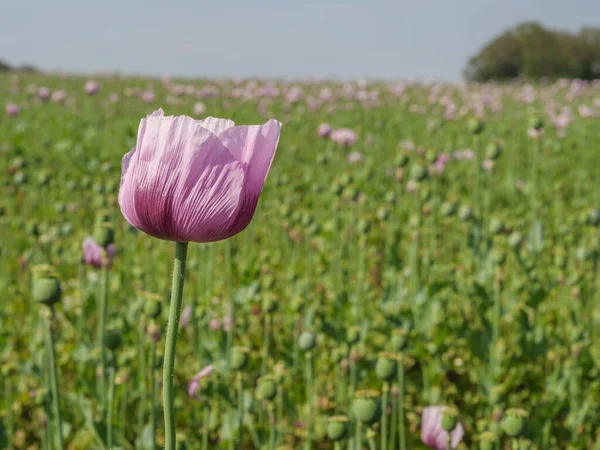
(337, 428)
(493, 151)
(113, 339)
(448, 209)
(307, 341)
(401, 160)
(465, 213)
(386, 366)
(515, 422)
(476, 126)
(367, 406)
(267, 388)
(46, 285)
(153, 306)
(418, 172)
(104, 234)
(353, 335)
(449, 419)
(537, 123)
(239, 358)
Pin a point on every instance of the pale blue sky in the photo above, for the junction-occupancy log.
(396, 39)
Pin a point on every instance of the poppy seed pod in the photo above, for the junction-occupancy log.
(399, 339)
(337, 427)
(537, 123)
(448, 209)
(496, 226)
(493, 150)
(515, 422)
(418, 172)
(153, 306)
(476, 126)
(113, 339)
(307, 341)
(353, 335)
(401, 160)
(270, 305)
(465, 213)
(386, 366)
(104, 234)
(239, 358)
(267, 388)
(515, 239)
(449, 419)
(487, 441)
(367, 406)
(46, 285)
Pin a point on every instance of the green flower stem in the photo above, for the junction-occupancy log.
(337, 445)
(10, 423)
(231, 306)
(401, 434)
(171, 343)
(101, 331)
(358, 436)
(240, 410)
(143, 374)
(153, 394)
(272, 427)
(449, 442)
(53, 371)
(110, 405)
(394, 422)
(266, 343)
(205, 425)
(372, 443)
(353, 375)
(309, 399)
(384, 420)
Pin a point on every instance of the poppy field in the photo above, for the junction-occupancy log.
(381, 265)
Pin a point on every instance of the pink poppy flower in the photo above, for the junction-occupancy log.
(355, 157)
(12, 109)
(148, 96)
(192, 180)
(324, 130)
(199, 109)
(487, 165)
(432, 433)
(59, 96)
(93, 254)
(113, 98)
(91, 88)
(344, 137)
(194, 383)
(44, 94)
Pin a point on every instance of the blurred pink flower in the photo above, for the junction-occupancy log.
(432, 433)
(487, 165)
(12, 109)
(344, 137)
(59, 96)
(411, 186)
(534, 133)
(194, 383)
(148, 96)
(44, 94)
(214, 324)
(199, 108)
(520, 185)
(355, 157)
(324, 130)
(91, 88)
(212, 171)
(95, 256)
(113, 98)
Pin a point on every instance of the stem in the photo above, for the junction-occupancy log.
(394, 422)
(309, 399)
(240, 410)
(143, 373)
(401, 436)
(153, 393)
(337, 445)
(111, 395)
(205, 425)
(372, 444)
(384, 421)
(358, 436)
(273, 427)
(10, 424)
(231, 305)
(171, 343)
(449, 442)
(266, 343)
(353, 375)
(101, 333)
(54, 379)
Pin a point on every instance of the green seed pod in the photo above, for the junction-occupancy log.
(113, 339)
(239, 358)
(487, 441)
(353, 335)
(390, 197)
(322, 158)
(418, 173)
(307, 341)
(386, 366)
(346, 179)
(449, 419)
(270, 305)
(363, 226)
(152, 306)
(431, 156)
(46, 285)
(496, 226)
(476, 126)
(537, 123)
(515, 239)
(594, 217)
(20, 178)
(583, 254)
(465, 213)
(267, 388)
(367, 406)
(448, 209)
(337, 428)
(104, 234)
(401, 160)
(43, 178)
(493, 150)
(383, 214)
(399, 339)
(515, 422)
